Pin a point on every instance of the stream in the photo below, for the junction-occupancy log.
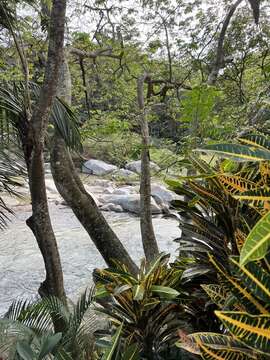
(21, 265)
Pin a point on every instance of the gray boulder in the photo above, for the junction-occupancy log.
(112, 207)
(130, 203)
(135, 166)
(162, 193)
(124, 173)
(98, 167)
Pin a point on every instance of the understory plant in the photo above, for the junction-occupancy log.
(242, 296)
(28, 331)
(242, 287)
(149, 308)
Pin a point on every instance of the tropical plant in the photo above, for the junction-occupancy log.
(211, 219)
(148, 308)
(243, 298)
(250, 186)
(28, 329)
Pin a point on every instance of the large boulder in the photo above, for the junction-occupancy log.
(130, 202)
(135, 166)
(98, 167)
(124, 173)
(111, 207)
(161, 192)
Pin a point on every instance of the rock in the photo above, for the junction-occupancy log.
(162, 193)
(125, 190)
(135, 166)
(108, 190)
(124, 173)
(47, 168)
(130, 202)
(89, 190)
(50, 186)
(98, 167)
(112, 207)
(103, 183)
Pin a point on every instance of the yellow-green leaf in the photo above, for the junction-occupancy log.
(258, 241)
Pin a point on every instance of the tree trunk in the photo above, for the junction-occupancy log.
(219, 60)
(40, 222)
(71, 188)
(147, 231)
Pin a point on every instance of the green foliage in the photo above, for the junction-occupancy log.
(148, 307)
(247, 319)
(12, 106)
(251, 186)
(27, 330)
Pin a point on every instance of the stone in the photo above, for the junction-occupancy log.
(135, 166)
(50, 186)
(161, 192)
(47, 168)
(112, 207)
(130, 202)
(124, 173)
(98, 167)
(125, 190)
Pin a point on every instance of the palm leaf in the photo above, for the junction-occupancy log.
(252, 330)
(257, 243)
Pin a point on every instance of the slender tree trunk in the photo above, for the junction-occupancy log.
(212, 78)
(72, 190)
(40, 222)
(147, 231)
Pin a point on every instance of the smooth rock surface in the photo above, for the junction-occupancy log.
(130, 202)
(135, 166)
(163, 193)
(98, 167)
(124, 173)
(111, 207)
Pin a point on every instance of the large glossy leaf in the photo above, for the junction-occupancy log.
(252, 330)
(238, 152)
(257, 243)
(216, 293)
(256, 140)
(49, 344)
(216, 346)
(108, 355)
(240, 291)
(164, 291)
(253, 277)
(25, 351)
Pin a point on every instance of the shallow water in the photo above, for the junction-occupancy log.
(21, 265)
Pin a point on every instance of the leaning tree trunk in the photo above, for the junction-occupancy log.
(81, 202)
(219, 59)
(147, 230)
(33, 146)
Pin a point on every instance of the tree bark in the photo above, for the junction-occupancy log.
(147, 231)
(40, 222)
(219, 59)
(71, 188)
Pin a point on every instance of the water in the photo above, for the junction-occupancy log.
(21, 265)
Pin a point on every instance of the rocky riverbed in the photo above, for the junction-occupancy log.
(21, 265)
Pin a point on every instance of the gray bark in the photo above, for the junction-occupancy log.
(72, 190)
(219, 59)
(147, 231)
(40, 222)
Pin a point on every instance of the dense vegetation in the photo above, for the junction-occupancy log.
(184, 84)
